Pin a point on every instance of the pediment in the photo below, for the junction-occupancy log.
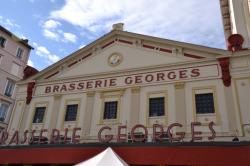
(136, 52)
(127, 57)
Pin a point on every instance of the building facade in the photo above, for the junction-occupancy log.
(125, 78)
(154, 101)
(14, 55)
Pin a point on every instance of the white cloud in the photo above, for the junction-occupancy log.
(51, 24)
(190, 21)
(50, 35)
(81, 46)
(69, 37)
(51, 31)
(43, 52)
(8, 23)
(30, 63)
(35, 44)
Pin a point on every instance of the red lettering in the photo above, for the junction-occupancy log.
(157, 134)
(107, 138)
(75, 138)
(105, 83)
(14, 138)
(160, 77)
(47, 89)
(55, 136)
(80, 86)
(66, 138)
(149, 78)
(195, 72)
(210, 126)
(139, 139)
(171, 75)
(31, 140)
(98, 83)
(138, 79)
(180, 134)
(89, 84)
(25, 136)
(3, 137)
(112, 82)
(63, 88)
(128, 80)
(56, 88)
(121, 137)
(183, 73)
(42, 139)
(72, 86)
(193, 132)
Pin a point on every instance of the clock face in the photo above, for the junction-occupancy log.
(115, 59)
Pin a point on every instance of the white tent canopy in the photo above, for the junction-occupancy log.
(106, 158)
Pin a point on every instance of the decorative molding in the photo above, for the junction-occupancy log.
(165, 50)
(107, 44)
(179, 85)
(235, 42)
(73, 63)
(51, 75)
(115, 59)
(125, 41)
(135, 89)
(193, 56)
(30, 88)
(90, 93)
(148, 46)
(226, 77)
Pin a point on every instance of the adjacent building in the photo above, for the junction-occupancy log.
(14, 55)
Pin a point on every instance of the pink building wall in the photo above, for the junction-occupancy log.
(8, 58)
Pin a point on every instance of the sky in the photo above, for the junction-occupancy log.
(57, 28)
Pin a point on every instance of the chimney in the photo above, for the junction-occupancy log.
(118, 26)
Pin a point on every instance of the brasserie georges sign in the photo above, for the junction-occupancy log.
(139, 79)
(105, 136)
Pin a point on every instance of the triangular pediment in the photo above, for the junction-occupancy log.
(120, 57)
(132, 51)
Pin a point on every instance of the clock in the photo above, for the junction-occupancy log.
(115, 59)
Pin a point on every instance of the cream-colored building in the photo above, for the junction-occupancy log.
(125, 78)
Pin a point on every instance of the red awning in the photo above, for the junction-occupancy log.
(133, 153)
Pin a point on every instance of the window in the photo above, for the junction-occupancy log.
(2, 41)
(3, 111)
(71, 112)
(9, 88)
(19, 53)
(1, 129)
(110, 110)
(156, 106)
(39, 114)
(15, 69)
(204, 103)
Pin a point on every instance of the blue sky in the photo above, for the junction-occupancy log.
(56, 28)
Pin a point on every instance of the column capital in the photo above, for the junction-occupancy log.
(179, 85)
